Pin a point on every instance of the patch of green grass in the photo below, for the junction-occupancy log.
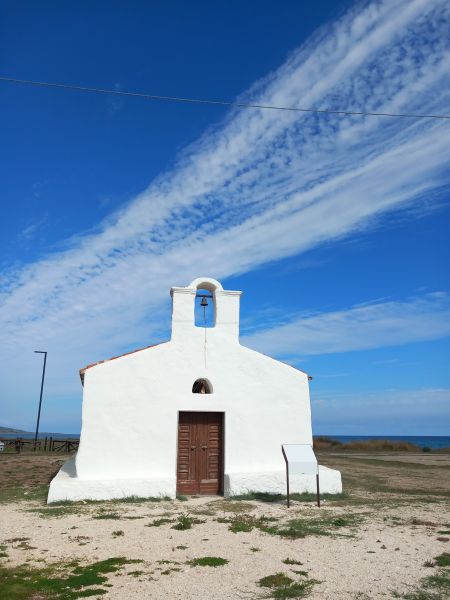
(270, 497)
(436, 586)
(443, 560)
(57, 581)
(106, 506)
(441, 581)
(3, 553)
(182, 498)
(323, 525)
(240, 527)
(15, 494)
(273, 581)
(159, 522)
(118, 533)
(181, 547)
(107, 503)
(186, 522)
(245, 523)
(125, 500)
(281, 586)
(140, 499)
(261, 496)
(136, 573)
(55, 512)
(292, 561)
(208, 561)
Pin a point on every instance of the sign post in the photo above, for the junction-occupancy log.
(300, 459)
(40, 397)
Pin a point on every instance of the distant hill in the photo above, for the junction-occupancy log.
(11, 430)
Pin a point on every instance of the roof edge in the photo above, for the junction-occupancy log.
(283, 362)
(100, 362)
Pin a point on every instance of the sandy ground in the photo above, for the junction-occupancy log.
(383, 554)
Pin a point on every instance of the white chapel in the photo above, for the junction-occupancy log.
(199, 414)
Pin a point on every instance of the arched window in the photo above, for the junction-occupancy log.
(205, 309)
(202, 386)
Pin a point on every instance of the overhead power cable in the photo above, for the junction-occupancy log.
(79, 88)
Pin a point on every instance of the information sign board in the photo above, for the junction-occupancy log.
(300, 460)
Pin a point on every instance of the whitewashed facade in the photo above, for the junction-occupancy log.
(133, 407)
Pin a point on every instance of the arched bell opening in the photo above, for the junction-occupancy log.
(205, 308)
(202, 386)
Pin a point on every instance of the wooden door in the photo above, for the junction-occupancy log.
(199, 468)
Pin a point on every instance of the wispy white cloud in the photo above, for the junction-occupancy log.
(32, 229)
(363, 327)
(259, 186)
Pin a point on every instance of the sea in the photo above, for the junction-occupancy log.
(423, 441)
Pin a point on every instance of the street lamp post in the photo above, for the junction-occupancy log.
(40, 397)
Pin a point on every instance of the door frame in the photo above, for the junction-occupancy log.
(222, 470)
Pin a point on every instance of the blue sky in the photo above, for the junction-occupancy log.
(335, 227)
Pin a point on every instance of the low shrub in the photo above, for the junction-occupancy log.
(208, 561)
(186, 522)
(159, 522)
(277, 580)
(281, 586)
(292, 561)
(322, 442)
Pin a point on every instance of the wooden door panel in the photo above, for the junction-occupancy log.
(200, 450)
(210, 475)
(187, 478)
